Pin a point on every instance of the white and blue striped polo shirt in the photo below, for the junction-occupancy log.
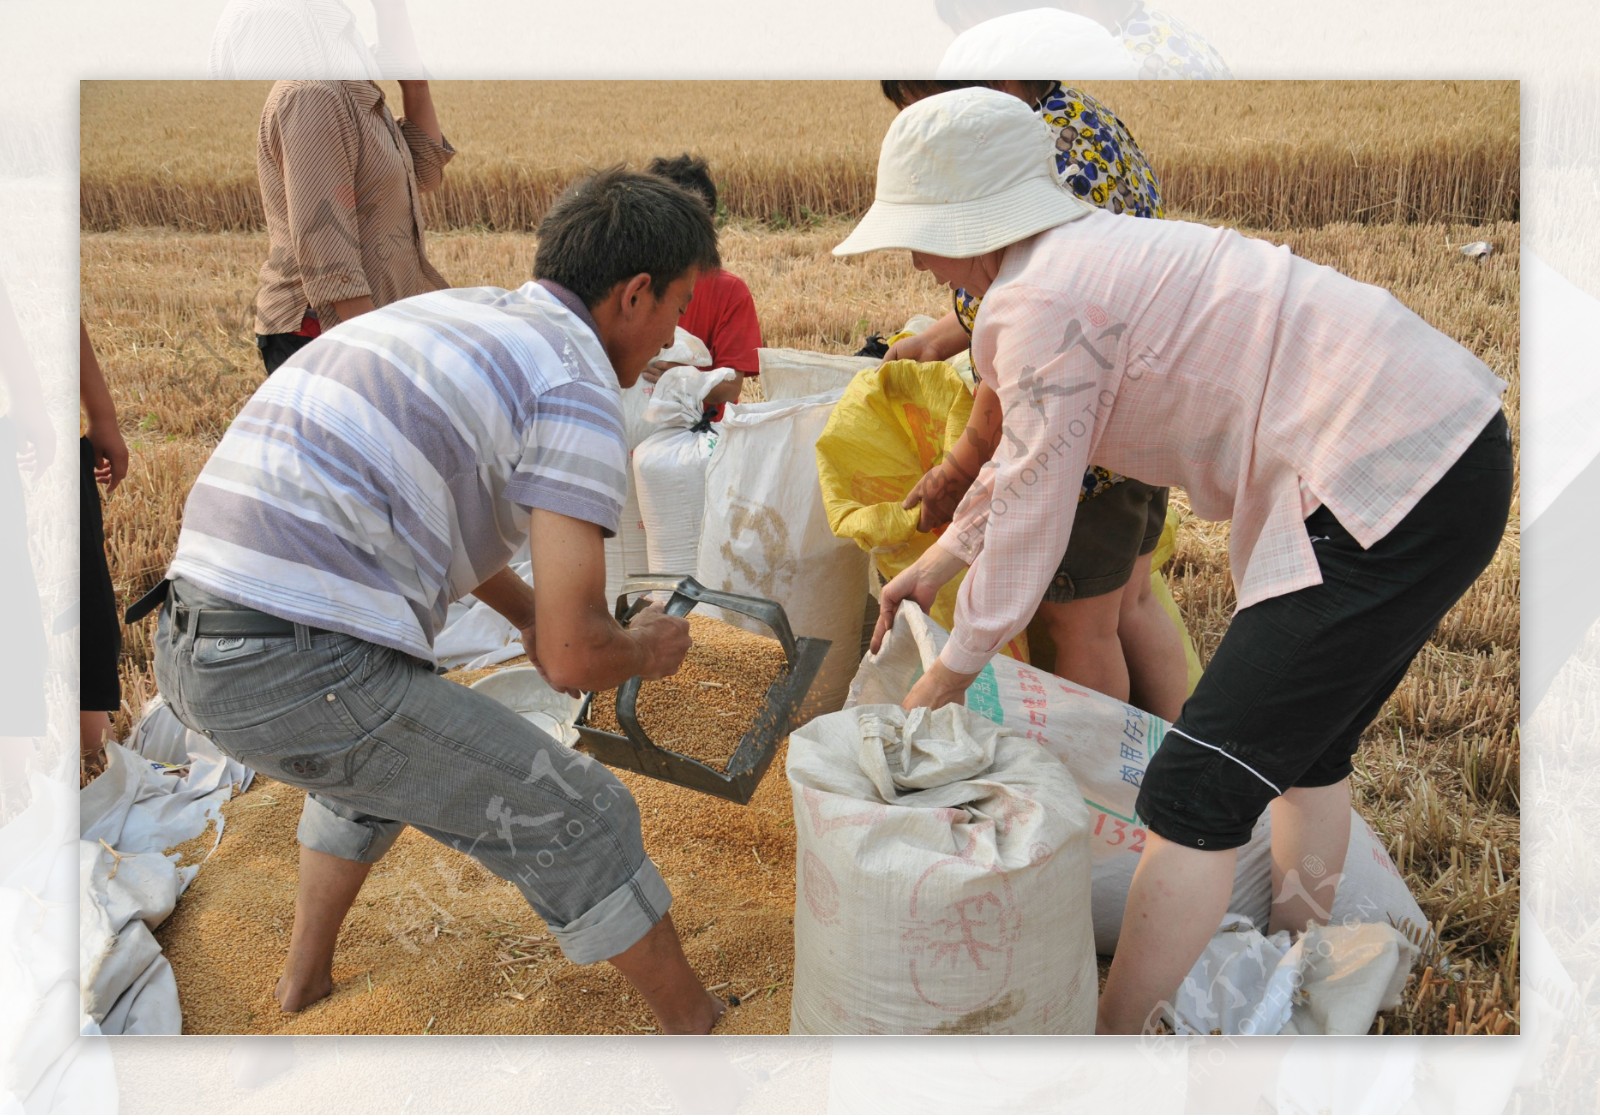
(388, 468)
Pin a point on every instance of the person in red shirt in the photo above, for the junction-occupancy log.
(721, 311)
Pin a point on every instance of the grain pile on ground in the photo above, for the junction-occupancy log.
(196, 848)
(703, 710)
(436, 944)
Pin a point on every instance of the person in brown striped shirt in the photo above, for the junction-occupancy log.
(342, 184)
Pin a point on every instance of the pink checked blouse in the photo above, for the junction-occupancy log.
(1262, 384)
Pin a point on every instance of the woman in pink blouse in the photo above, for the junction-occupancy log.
(1360, 454)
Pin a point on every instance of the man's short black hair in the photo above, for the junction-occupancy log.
(616, 224)
(690, 173)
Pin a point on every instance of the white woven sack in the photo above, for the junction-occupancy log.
(628, 551)
(669, 467)
(686, 349)
(797, 373)
(669, 475)
(634, 401)
(1107, 746)
(159, 735)
(766, 534)
(943, 879)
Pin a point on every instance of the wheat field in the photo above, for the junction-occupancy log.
(1265, 154)
(167, 296)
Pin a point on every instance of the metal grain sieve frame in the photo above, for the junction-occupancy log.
(633, 750)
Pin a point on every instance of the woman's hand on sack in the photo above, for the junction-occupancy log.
(940, 341)
(919, 582)
(918, 347)
(939, 686)
(937, 494)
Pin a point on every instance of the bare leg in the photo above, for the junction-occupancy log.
(328, 885)
(1175, 904)
(94, 729)
(1310, 834)
(1087, 649)
(656, 966)
(1158, 673)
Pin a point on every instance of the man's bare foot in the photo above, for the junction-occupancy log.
(292, 997)
(703, 1021)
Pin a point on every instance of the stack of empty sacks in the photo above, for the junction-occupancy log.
(165, 788)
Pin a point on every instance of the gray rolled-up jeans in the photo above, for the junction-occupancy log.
(379, 741)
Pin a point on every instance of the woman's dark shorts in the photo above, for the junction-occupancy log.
(1111, 530)
(100, 639)
(276, 348)
(1297, 678)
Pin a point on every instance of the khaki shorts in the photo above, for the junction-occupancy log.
(1112, 529)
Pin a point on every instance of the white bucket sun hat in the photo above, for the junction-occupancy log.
(963, 173)
(1039, 41)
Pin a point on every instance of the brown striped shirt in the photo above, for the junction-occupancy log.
(341, 184)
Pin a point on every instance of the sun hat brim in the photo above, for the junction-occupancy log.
(961, 230)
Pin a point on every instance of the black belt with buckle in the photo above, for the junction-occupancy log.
(212, 623)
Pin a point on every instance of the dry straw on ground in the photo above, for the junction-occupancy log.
(437, 945)
(1438, 776)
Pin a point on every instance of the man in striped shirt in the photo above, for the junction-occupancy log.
(394, 466)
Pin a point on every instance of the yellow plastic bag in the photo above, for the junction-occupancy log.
(1158, 586)
(893, 424)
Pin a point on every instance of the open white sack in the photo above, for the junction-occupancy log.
(1332, 980)
(766, 534)
(1107, 744)
(797, 373)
